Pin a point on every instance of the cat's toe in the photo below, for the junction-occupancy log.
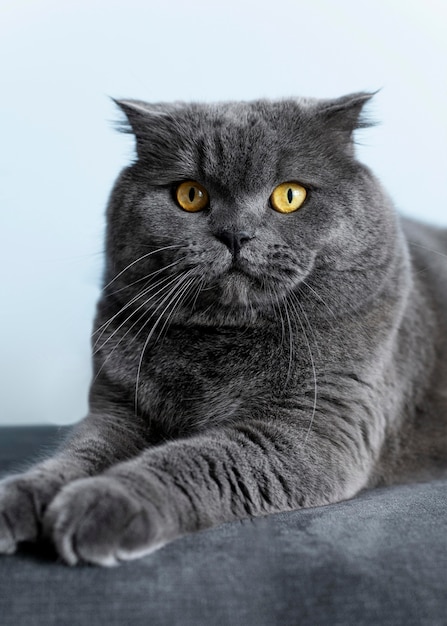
(8, 544)
(18, 512)
(96, 521)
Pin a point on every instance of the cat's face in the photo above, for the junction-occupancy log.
(244, 204)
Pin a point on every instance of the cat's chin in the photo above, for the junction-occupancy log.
(236, 289)
(237, 293)
(241, 298)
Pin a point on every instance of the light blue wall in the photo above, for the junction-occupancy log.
(59, 62)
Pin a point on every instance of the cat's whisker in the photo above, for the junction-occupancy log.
(182, 295)
(168, 280)
(141, 294)
(306, 294)
(141, 258)
(277, 307)
(141, 317)
(303, 282)
(283, 328)
(150, 275)
(121, 339)
(418, 245)
(333, 326)
(314, 371)
(199, 289)
(169, 297)
(289, 324)
(142, 305)
(163, 299)
(103, 328)
(129, 303)
(306, 318)
(116, 346)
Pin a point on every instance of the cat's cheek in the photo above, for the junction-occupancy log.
(96, 521)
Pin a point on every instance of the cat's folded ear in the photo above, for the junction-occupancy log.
(148, 122)
(139, 113)
(342, 116)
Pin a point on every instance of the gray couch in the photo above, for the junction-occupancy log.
(378, 559)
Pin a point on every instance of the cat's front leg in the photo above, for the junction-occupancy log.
(195, 483)
(101, 520)
(95, 444)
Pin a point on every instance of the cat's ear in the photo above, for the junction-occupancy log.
(139, 113)
(344, 115)
(148, 122)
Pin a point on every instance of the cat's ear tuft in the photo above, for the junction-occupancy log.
(151, 124)
(344, 115)
(154, 126)
(137, 114)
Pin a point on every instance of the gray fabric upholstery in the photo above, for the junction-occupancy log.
(379, 559)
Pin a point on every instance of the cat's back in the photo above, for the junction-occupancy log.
(427, 242)
(427, 245)
(428, 251)
(427, 444)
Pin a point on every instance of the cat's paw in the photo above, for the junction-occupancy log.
(23, 499)
(96, 520)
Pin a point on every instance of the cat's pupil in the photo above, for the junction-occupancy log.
(289, 195)
(192, 193)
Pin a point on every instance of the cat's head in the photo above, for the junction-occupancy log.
(230, 208)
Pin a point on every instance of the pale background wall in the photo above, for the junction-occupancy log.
(59, 62)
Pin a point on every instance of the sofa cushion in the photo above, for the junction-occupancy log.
(380, 558)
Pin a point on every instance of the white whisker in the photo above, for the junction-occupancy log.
(418, 245)
(278, 304)
(110, 353)
(306, 318)
(181, 280)
(167, 279)
(314, 371)
(176, 302)
(199, 289)
(139, 280)
(289, 324)
(319, 298)
(141, 306)
(144, 256)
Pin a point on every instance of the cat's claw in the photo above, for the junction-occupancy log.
(95, 520)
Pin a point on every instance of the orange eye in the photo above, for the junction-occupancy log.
(191, 196)
(288, 197)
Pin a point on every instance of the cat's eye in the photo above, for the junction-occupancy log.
(192, 196)
(288, 197)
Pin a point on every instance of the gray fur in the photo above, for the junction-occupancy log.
(309, 369)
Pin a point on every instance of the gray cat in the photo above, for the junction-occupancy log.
(271, 335)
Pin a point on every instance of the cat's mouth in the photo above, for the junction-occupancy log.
(236, 269)
(239, 284)
(240, 274)
(240, 266)
(241, 281)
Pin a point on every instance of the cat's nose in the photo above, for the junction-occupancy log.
(234, 240)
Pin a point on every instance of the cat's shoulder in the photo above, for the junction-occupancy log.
(421, 231)
(427, 242)
(427, 246)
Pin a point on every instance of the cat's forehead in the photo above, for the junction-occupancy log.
(234, 144)
(246, 145)
(245, 122)
(240, 144)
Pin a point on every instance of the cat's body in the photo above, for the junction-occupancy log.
(246, 360)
